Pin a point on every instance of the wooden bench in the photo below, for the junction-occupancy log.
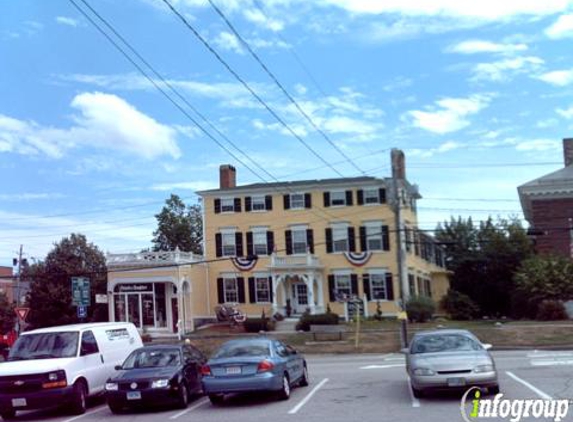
(329, 330)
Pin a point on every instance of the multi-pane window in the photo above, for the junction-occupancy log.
(228, 242)
(260, 242)
(371, 196)
(299, 241)
(296, 201)
(378, 286)
(227, 205)
(258, 203)
(231, 290)
(262, 289)
(338, 198)
(412, 284)
(340, 238)
(374, 237)
(342, 286)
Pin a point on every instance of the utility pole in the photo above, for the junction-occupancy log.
(18, 287)
(398, 175)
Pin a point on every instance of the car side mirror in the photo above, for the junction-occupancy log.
(405, 350)
(118, 367)
(487, 346)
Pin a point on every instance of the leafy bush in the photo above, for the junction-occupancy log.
(420, 308)
(319, 319)
(254, 325)
(551, 310)
(459, 306)
(378, 313)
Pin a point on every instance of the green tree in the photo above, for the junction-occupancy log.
(179, 226)
(484, 259)
(7, 315)
(50, 296)
(542, 278)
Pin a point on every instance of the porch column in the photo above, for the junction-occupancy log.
(309, 281)
(274, 298)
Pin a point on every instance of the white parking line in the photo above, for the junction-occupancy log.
(415, 401)
(307, 398)
(189, 409)
(530, 386)
(75, 418)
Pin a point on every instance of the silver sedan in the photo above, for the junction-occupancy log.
(449, 359)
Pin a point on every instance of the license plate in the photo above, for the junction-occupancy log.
(19, 403)
(233, 370)
(456, 382)
(134, 395)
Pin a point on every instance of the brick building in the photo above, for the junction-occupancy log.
(547, 204)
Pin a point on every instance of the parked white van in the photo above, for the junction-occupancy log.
(64, 364)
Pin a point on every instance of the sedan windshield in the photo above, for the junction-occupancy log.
(152, 359)
(45, 346)
(444, 343)
(243, 349)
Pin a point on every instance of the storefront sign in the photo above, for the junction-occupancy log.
(134, 288)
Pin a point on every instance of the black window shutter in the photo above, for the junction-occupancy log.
(218, 245)
(389, 287)
(271, 289)
(288, 239)
(328, 234)
(268, 202)
(360, 197)
(363, 243)
(270, 242)
(354, 284)
(366, 285)
(286, 201)
(307, 200)
(250, 247)
(331, 288)
(382, 195)
(241, 288)
(385, 238)
(217, 205)
(310, 240)
(239, 244)
(348, 197)
(237, 204)
(351, 240)
(326, 196)
(220, 291)
(247, 204)
(252, 296)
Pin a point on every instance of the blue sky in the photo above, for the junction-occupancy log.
(477, 94)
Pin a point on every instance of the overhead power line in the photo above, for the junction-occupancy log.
(248, 87)
(281, 86)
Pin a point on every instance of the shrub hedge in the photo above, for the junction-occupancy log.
(319, 319)
(254, 325)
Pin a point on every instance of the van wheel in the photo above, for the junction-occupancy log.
(183, 397)
(79, 398)
(8, 415)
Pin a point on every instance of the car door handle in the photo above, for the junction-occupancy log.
(101, 357)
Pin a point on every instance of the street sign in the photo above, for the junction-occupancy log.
(82, 311)
(81, 291)
(101, 298)
(22, 313)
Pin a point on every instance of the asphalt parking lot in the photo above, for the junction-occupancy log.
(358, 388)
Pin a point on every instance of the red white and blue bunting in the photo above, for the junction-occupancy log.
(245, 263)
(358, 259)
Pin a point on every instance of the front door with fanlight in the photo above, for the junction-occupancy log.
(299, 297)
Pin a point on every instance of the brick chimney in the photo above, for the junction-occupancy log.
(398, 164)
(227, 176)
(568, 151)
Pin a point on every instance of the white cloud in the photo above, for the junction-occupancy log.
(449, 114)
(65, 20)
(257, 17)
(544, 124)
(228, 41)
(485, 9)
(480, 46)
(193, 186)
(538, 145)
(503, 70)
(104, 121)
(562, 28)
(557, 77)
(565, 113)
(29, 196)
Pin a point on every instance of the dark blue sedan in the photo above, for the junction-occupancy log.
(249, 365)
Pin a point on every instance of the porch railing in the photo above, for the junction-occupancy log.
(293, 261)
(151, 258)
